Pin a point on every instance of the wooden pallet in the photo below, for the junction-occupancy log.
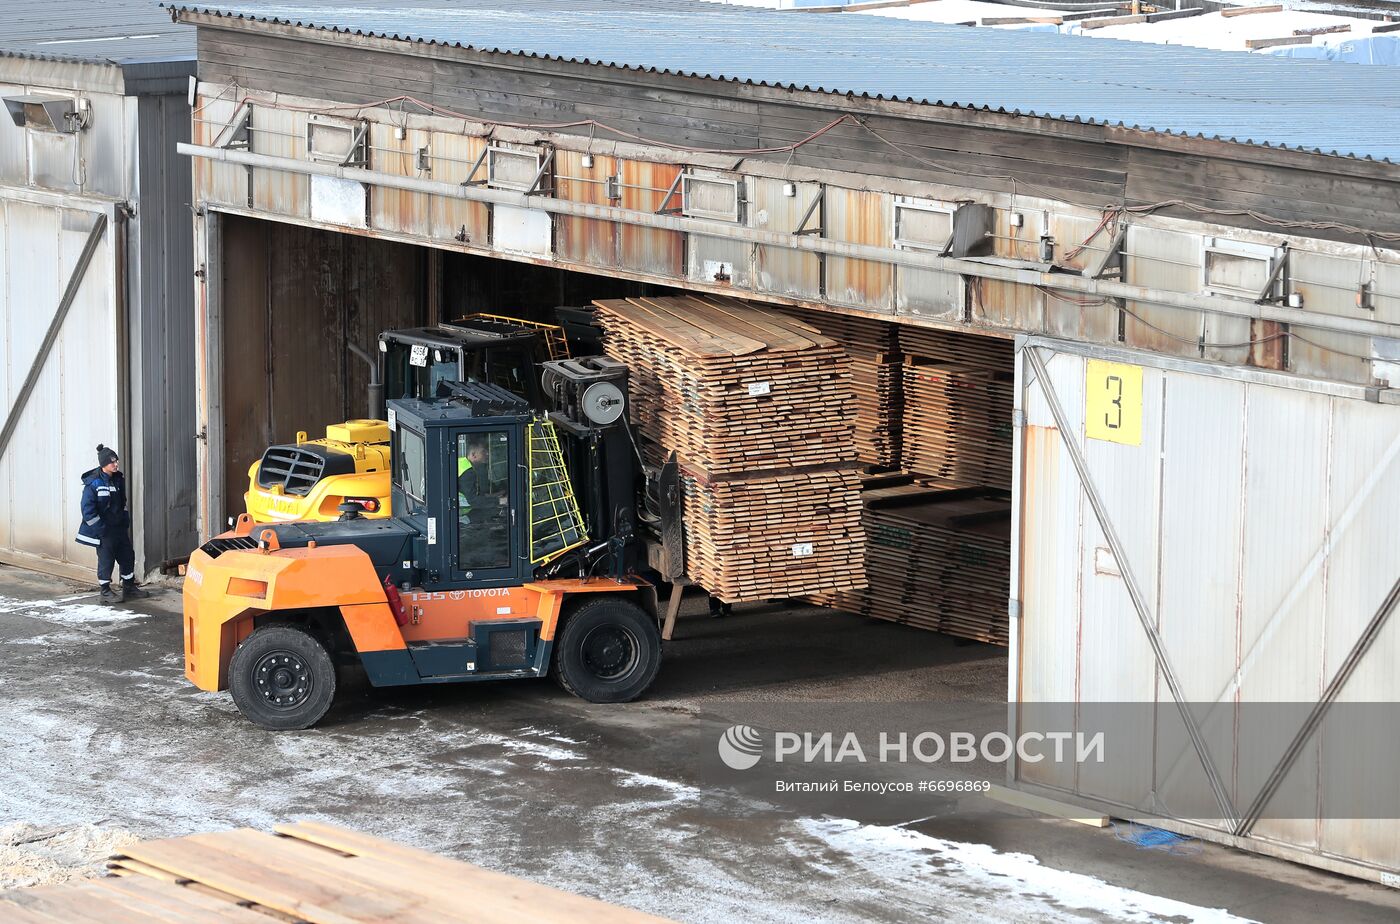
(759, 409)
(308, 872)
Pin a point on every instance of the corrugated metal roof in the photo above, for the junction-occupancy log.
(1333, 108)
(109, 31)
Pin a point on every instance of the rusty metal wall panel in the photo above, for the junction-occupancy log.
(393, 209)
(224, 184)
(1096, 323)
(457, 219)
(1168, 260)
(779, 270)
(1004, 304)
(584, 240)
(860, 217)
(646, 250)
(280, 133)
(1329, 285)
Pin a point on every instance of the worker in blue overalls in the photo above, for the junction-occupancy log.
(106, 525)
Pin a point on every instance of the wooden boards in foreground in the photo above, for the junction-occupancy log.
(309, 872)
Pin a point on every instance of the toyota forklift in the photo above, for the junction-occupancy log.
(487, 569)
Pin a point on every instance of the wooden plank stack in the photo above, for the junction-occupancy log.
(957, 406)
(873, 347)
(758, 409)
(936, 558)
(308, 872)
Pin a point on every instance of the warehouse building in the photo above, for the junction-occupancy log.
(96, 305)
(1186, 278)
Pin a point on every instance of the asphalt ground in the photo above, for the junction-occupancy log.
(99, 728)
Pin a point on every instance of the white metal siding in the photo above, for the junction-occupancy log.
(74, 405)
(1258, 519)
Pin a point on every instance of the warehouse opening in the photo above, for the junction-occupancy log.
(922, 416)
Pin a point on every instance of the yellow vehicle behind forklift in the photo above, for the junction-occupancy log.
(487, 568)
(310, 479)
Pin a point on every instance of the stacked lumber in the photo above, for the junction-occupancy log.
(757, 408)
(958, 396)
(937, 559)
(873, 347)
(309, 872)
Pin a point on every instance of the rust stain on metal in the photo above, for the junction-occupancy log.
(457, 219)
(1268, 347)
(860, 217)
(394, 209)
(584, 240)
(644, 187)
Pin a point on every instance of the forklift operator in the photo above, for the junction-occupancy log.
(481, 536)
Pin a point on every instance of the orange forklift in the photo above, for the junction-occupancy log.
(487, 569)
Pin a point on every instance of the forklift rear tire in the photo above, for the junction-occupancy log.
(608, 651)
(282, 678)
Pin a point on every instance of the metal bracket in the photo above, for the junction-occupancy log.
(671, 194)
(235, 133)
(1113, 253)
(356, 140)
(481, 159)
(612, 188)
(1264, 296)
(818, 200)
(422, 161)
(540, 174)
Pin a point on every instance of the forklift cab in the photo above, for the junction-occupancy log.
(417, 361)
(482, 481)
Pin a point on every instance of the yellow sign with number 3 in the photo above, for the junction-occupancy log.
(1113, 402)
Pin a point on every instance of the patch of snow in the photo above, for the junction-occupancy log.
(629, 779)
(66, 612)
(1017, 877)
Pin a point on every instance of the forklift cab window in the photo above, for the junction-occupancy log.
(409, 468)
(483, 496)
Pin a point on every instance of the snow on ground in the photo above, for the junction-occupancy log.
(1015, 880)
(515, 779)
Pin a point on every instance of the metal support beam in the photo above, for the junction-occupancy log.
(818, 201)
(1266, 293)
(75, 281)
(665, 208)
(1069, 282)
(1319, 710)
(1135, 593)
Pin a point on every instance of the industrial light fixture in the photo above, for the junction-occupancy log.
(48, 113)
(1016, 219)
(587, 161)
(790, 190)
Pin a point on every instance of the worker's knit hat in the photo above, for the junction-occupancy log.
(105, 455)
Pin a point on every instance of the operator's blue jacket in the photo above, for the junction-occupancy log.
(104, 506)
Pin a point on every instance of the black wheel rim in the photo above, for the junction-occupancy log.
(610, 653)
(283, 680)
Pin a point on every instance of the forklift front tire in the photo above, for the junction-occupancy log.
(608, 651)
(282, 678)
